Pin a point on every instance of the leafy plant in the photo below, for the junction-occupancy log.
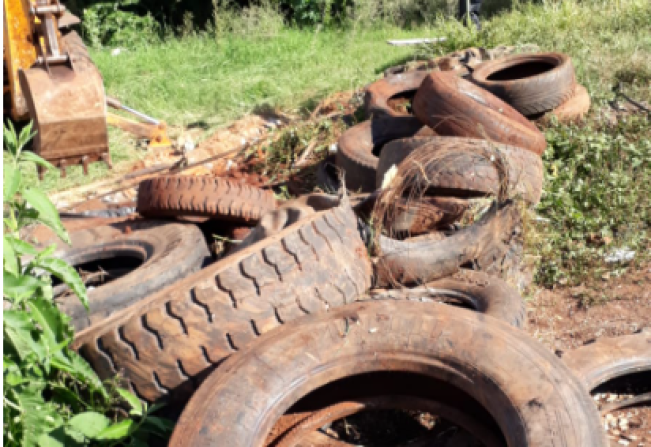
(52, 397)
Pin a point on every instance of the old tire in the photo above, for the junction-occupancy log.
(479, 291)
(462, 167)
(416, 216)
(571, 111)
(610, 358)
(178, 195)
(422, 260)
(359, 144)
(530, 83)
(458, 108)
(327, 175)
(166, 252)
(379, 93)
(168, 341)
(520, 387)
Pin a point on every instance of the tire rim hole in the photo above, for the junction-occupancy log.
(521, 71)
(100, 267)
(401, 103)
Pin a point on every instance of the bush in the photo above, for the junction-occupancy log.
(52, 397)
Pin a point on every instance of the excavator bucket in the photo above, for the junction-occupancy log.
(68, 106)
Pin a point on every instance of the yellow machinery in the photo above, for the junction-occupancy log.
(50, 79)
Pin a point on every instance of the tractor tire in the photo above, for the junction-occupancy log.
(458, 108)
(378, 95)
(495, 373)
(178, 195)
(359, 144)
(169, 341)
(155, 254)
(530, 83)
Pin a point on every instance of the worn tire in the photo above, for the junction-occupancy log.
(610, 358)
(167, 342)
(481, 292)
(421, 260)
(178, 195)
(327, 176)
(394, 152)
(571, 111)
(378, 94)
(522, 389)
(413, 217)
(458, 108)
(356, 146)
(168, 252)
(530, 83)
(461, 167)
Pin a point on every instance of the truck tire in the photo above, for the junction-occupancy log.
(359, 145)
(156, 254)
(379, 93)
(178, 195)
(479, 291)
(610, 358)
(165, 344)
(422, 260)
(495, 373)
(455, 107)
(530, 83)
(463, 167)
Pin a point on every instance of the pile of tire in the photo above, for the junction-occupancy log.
(334, 304)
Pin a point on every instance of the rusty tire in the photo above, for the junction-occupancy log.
(178, 195)
(455, 107)
(421, 260)
(357, 146)
(167, 252)
(611, 358)
(477, 290)
(530, 83)
(165, 344)
(379, 93)
(462, 167)
(571, 111)
(521, 388)
(414, 217)
(394, 152)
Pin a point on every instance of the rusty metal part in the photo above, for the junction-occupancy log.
(68, 109)
(611, 358)
(319, 418)
(19, 51)
(379, 94)
(455, 107)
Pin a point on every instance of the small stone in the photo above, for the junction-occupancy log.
(623, 442)
(609, 416)
(616, 432)
(623, 421)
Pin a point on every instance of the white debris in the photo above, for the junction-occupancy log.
(389, 176)
(333, 148)
(116, 51)
(620, 255)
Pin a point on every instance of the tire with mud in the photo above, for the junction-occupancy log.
(422, 260)
(178, 195)
(165, 344)
(379, 94)
(458, 108)
(359, 145)
(611, 358)
(144, 256)
(463, 167)
(496, 374)
(530, 83)
(481, 292)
